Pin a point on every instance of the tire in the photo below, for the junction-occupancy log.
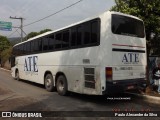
(17, 75)
(62, 86)
(48, 82)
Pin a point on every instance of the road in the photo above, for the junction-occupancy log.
(27, 96)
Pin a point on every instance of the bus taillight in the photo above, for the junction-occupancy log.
(109, 73)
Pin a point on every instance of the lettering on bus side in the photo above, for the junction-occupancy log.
(129, 58)
(31, 64)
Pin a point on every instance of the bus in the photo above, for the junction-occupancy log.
(101, 55)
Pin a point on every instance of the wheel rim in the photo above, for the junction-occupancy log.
(61, 85)
(48, 82)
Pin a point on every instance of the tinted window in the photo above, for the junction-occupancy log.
(25, 48)
(21, 49)
(127, 26)
(45, 43)
(28, 45)
(95, 32)
(73, 36)
(87, 33)
(65, 43)
(58, 41)
(17, 50)
(51, 42)
(40, 45)
(79, 35)
(32, 46)
(36, 45)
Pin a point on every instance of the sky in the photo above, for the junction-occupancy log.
(32, 10)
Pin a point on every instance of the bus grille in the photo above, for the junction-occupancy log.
(89, 77)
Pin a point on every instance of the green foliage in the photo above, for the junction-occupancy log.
(30, 35)
(123, 6)
(5, 49)
(13, 42)
(5, 55)
(43, 31)
(33, 34)
(4, 43)
(148, 11)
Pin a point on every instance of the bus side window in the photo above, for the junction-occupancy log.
(18, 50)
(32, 46)
(87, 33)
(58, 41)
(28, 47)
(73, 37)
(40, 45)
(94, 32)
(36, 46)
(79, 35)
(65, 43)
(51, 42)
(45, 43)
(25, 48)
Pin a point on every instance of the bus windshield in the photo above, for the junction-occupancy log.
(127, 26)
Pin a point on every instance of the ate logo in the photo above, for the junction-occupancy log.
(130, 58)
(31, 64)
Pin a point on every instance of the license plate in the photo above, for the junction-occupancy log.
(130, 87)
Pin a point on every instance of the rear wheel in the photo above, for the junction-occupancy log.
(62, 86)
(48, 82)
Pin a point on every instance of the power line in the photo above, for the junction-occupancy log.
(48, 16)
(53, 13)
(16, 31)
(21, 27)
(13, 33)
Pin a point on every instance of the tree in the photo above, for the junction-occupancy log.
(149, 12)
(30, 35)
(5, 55)
(45, 30)
(4, 43)
(33, 34)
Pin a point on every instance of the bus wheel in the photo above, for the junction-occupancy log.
(17, 75)
(48, 82)
(61, 85)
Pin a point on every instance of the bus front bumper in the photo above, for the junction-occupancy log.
(119, 86)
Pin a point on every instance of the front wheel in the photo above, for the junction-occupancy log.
(62, 86)
(17, 75)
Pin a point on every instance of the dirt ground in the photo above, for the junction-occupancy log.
(152, 91)
(10, 101)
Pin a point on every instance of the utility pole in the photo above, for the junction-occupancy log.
(21, 27)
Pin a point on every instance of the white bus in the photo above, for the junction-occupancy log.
(100, 55)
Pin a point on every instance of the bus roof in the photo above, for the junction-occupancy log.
(85, 20)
